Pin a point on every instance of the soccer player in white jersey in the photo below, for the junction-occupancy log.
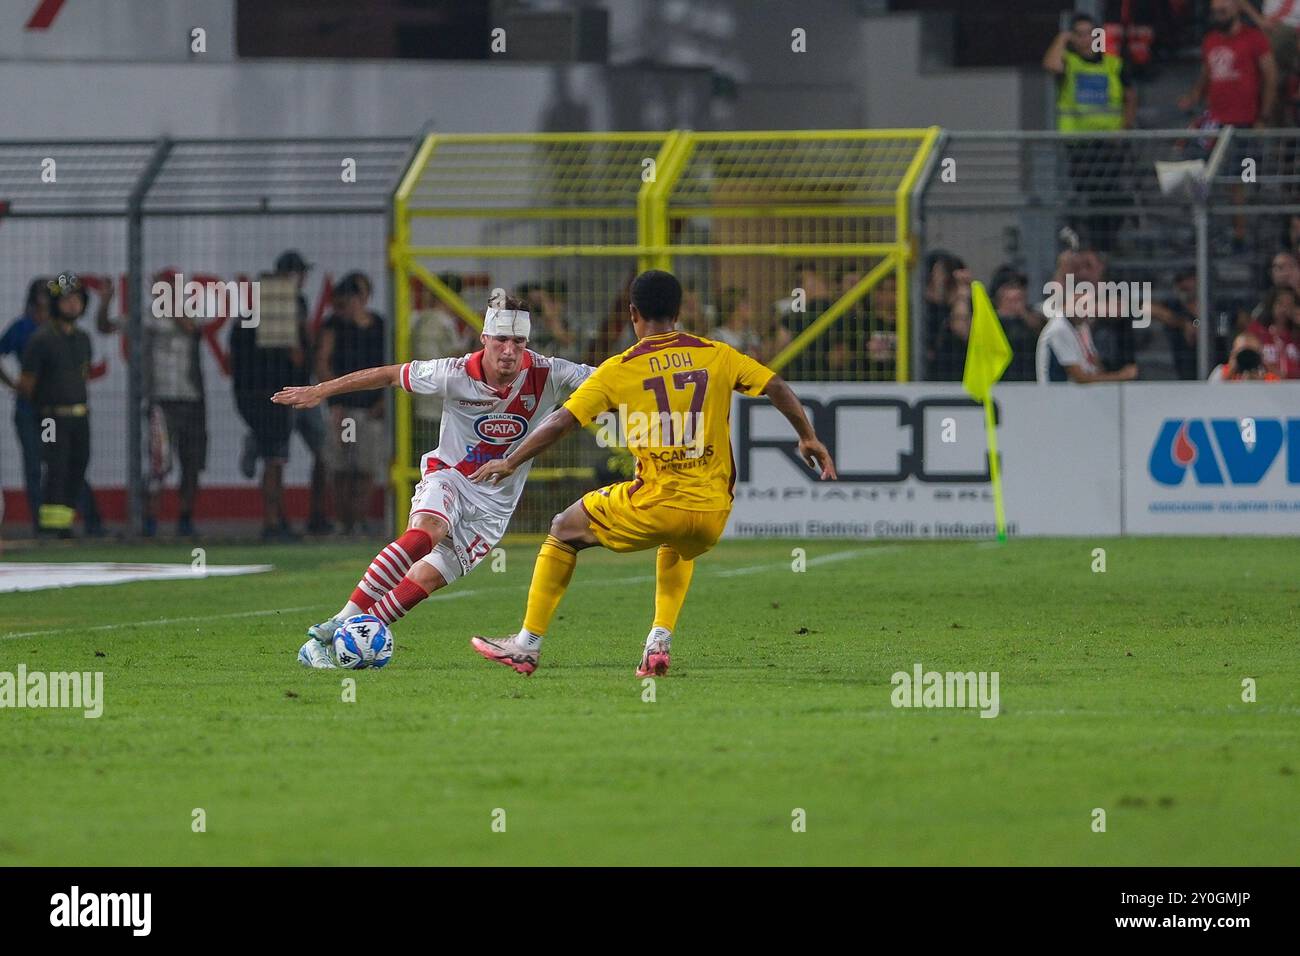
(491, 399)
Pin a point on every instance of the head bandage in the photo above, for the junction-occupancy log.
(512, 322)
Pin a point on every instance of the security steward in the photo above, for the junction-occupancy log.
(56, 365)
(1095, 95)
(1095, 91)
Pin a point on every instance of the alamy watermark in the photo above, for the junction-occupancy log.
(683, 432)
(76, 908)
(923, 688)
(210, 299)
(78, 690)
(1085, 299)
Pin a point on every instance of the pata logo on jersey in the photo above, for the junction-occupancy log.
(1247, 447)
(501, 428)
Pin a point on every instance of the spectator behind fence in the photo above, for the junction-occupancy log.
(946, 315)
(1094, 89)
(438, 331)
(1283, 273)
(1065, 352)
(881, 329)
(614, 334)
(178, 414)
(1032, 317)
(1113, 335)
(1177, 315)
(738, 324)
(825, 354)
(1011, 302)
(696, 315)
(1280, 22)
(1227, 370)
(36, 311)
(1250, 368)
(1291, 231)
(1275, 330)
(545, 303)
(866, 343)
(56, 367)
(257, 371)
(309, 423)
(351, 339)
(1238, 79)
(1238, 82)
(1065, 266)
(1095, 94)
(75, 305)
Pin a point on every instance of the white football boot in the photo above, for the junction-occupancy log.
(324, 631)
(315, 654)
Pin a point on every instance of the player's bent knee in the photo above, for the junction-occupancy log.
(432, 525)
(572, 526)
(426, 576)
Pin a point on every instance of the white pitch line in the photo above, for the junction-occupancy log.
(160, 620)
(447, 596)
(819, 559)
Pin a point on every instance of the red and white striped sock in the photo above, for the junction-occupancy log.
(387, 571)
(394, 605)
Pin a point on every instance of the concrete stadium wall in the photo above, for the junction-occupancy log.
(857, 71)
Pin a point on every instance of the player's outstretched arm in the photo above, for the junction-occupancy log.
(557, 424)
(811, 450)
(309, 396)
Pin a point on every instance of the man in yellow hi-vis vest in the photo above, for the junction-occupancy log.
(1094, 91)
(1095, 95)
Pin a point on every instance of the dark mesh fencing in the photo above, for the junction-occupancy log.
(225, 261)
(64, 212)
(1116, 210)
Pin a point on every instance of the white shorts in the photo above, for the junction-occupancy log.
(477, 522)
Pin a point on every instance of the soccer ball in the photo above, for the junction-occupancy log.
(363, 641)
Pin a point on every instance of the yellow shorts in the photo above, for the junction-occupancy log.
(620, 525)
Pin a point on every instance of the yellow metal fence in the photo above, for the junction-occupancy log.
(796, 245)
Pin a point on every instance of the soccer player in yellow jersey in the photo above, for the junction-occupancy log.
(672, 392)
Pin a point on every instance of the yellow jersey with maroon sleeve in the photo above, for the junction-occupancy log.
(672, 397)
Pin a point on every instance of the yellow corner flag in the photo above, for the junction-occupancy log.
(988, 353)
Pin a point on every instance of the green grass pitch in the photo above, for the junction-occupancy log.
(1119, 690)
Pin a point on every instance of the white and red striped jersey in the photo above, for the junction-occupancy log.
(479, 422)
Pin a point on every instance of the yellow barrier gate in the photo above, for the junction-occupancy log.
(792, 245)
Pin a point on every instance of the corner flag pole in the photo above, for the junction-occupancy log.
(995, 473)
(988, 353)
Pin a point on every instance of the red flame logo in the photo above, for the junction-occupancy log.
(1184, 450)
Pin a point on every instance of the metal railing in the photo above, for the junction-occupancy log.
(569, 218)
(1017, 199)
(120, 214)
(745, 219)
